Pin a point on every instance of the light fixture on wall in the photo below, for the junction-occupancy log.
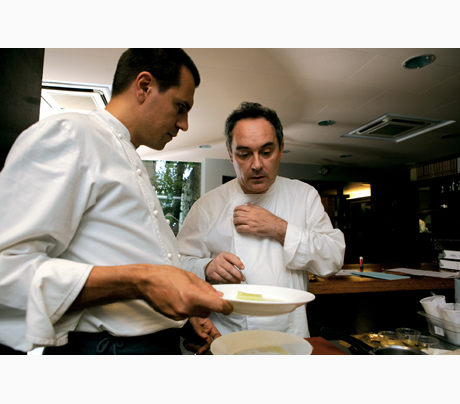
(362, 191)
(324, 170)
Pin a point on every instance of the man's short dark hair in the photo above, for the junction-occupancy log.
(252, 110)
(163, 64)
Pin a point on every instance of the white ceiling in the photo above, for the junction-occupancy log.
(304, 86)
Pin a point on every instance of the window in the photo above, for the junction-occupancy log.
(178, 186)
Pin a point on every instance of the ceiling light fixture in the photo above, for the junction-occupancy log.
(204, 146)
(326, 123)
(418, 62)
(450, 136)
(396, 128)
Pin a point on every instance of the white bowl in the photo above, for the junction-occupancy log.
(285, 300)
(260, 342)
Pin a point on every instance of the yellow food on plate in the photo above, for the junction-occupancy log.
(249, 296)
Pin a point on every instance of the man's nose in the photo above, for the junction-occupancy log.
(182, 123)
(256, 162)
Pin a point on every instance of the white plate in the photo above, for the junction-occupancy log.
(287, 300)
(260, 342)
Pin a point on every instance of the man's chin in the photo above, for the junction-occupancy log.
(257, 188)
(160, 147)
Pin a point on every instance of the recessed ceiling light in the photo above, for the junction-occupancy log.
(418, 62)
(450, 136)
(326, 123)
(204, 146)
(344, 156)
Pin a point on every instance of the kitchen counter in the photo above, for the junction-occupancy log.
(323, 347)
(356, 284)
(351, 305)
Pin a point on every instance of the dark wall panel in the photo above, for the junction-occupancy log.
(21, 72)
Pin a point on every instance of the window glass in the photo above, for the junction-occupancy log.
(177, 185)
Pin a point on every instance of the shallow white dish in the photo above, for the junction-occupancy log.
(260, 342)
(286, 299)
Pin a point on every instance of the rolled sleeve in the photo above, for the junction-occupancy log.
(55, 286)
(291, 241)
(195, 254)
(316, 246)
(47, 195)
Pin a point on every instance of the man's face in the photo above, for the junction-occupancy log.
(255, 154)
(163, 114)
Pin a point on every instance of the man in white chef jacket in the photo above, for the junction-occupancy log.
(88, 263)
(272, 228)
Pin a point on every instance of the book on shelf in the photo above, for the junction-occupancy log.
(449, 254)
(447, 264)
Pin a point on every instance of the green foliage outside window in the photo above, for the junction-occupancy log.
(177, 185)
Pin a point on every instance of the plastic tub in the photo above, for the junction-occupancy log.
(442, 329)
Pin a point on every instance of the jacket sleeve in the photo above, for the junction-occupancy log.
(195, 254)
(45, 189)
(314, 246)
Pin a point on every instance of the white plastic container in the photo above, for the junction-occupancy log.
(442, 329)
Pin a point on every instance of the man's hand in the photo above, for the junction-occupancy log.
(176, 293)
(180, 294)
(222, 269)
(206, 332)
(257, 220)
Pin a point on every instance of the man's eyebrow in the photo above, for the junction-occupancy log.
(268, 144)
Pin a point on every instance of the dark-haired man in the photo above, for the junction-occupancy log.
(273, 228)
(88, 263)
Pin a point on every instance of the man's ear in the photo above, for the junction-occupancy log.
(230, 154)
(145, 82)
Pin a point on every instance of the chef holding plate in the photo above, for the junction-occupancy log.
(260, 227)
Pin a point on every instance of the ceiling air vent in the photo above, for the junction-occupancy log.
(395, 128)
(59, 97)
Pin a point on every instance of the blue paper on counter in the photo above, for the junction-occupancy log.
(380, 275)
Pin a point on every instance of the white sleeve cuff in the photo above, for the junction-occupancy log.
(54, 288)
(291, 242)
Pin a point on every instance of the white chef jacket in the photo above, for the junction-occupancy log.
(75, 194)
(311, 244)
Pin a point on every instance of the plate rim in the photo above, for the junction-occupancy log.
(310, 295)
(300, 340)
